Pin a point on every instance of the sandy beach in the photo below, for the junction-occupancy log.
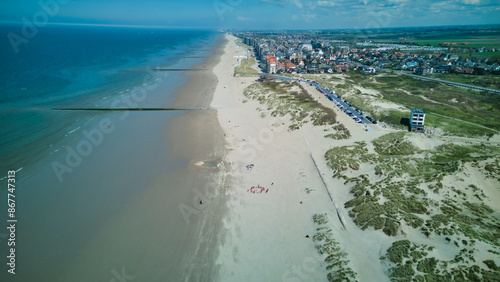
(265, 233)
(264, 229)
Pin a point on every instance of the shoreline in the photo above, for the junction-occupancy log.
(198, 139)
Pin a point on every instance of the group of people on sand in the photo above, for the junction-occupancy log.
(250, 166)
(257, 189)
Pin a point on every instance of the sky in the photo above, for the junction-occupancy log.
(254, 14)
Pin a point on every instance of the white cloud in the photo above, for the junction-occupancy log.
(243, 19)
(325, 3)
(297, 3)
(470, 2)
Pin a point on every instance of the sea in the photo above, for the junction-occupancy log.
(99, 193)
(65, 67)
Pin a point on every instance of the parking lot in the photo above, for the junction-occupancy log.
(356, 114)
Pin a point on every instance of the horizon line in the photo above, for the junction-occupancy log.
(115, 25)
(360, 29)
(226, 29)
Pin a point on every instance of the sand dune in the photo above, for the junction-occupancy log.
(264, 233)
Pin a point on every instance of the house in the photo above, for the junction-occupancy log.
(410, 65)
(465, 71)
(417, 118)
(341, 68)
(424, 71)
(368, 70)
(454, 58)
(271, 64)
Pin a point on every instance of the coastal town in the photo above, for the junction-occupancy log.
(399, 193)
(260, 140)
(289, 52)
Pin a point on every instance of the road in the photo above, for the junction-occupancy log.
(456, 84)
(330, 94)
(461, 85)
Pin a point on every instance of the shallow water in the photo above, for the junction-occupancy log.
(103, 194)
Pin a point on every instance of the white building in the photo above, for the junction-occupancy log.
(417, 118)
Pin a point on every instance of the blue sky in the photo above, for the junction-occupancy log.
(256, 14)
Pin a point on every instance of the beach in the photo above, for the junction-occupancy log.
(273, 188)
(218, 186)
(264, 233)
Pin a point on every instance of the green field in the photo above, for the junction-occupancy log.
(476, 38)
(457, 111)
(245, 68)
(487, 81)
(239, 43)
(473, 43)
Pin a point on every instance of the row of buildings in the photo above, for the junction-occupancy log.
(300, 53)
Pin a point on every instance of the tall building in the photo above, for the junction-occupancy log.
(271, 64)
(417, 118)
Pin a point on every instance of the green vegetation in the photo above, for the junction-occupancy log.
(320, 219)
(341, 132)
(405, 178)
(493, 169)
(348, 157)
(338, 265)
(394, 144)
(487, 81)
(397, 199)
(245, 68)
(457, 111)
(412, 262)
(240, 43)
(309, 190)
(290, 99)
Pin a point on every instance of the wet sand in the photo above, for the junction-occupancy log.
(199, 138)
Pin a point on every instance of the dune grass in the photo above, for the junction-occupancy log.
(405, 178)
(341, 132)
(458, 111)
(398, 196)
(245, 68)
(290, 99)
(326, 245)
(414, 262)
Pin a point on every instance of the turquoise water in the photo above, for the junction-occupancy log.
(72, 66)
(113, 204)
